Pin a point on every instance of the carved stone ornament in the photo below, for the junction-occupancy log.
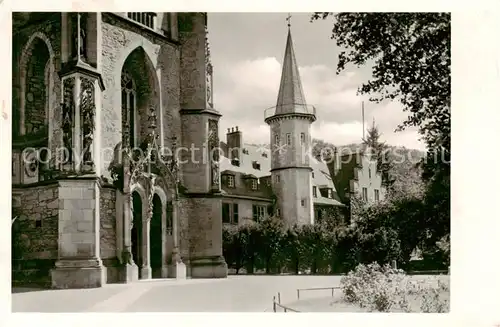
(68, 110)
(31, 163)
(131, 199)
(213, 141)
(87, 109)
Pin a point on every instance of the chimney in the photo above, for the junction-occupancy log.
(234, 140)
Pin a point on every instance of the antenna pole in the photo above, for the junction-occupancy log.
(363, 117)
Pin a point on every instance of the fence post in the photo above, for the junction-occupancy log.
(274, 303)
(298, 294)
(332, 291)
(279, 298)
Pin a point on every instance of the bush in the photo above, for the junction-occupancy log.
(384, 289)
(372, 286)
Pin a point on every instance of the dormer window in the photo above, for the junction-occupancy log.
(230, 180)
(254, 184)
(245, 151)
(330, 193)
(147, 19)
(235, 162)
(256, 165)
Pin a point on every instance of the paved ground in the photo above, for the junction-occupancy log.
(234, 294)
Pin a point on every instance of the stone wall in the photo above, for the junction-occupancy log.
(108, 223)
(35, 234)
(200, 227)
(107, 233)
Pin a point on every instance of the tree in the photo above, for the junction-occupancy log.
(411, 57)
(380, 150)
(271, 232)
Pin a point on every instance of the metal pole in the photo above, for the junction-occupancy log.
(298, 294)
(332, 291)
(274, 303)
(279, 298)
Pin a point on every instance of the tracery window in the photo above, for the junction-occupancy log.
(129, 105)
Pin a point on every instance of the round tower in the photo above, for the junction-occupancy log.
(290, 124)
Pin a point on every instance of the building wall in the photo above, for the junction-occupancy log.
(35, 233)
(363, 179)
(245, 209)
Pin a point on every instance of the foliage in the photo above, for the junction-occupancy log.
(372, 286)
(410, 55)
(384, 289)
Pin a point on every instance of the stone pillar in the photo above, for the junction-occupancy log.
(129, 272)
(79, 264)
(177, 268)
(145, 248)
(201, 225)
(164, 267)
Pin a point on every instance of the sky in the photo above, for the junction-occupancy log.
(247, 51)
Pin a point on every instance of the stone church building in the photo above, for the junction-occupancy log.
(97, 98)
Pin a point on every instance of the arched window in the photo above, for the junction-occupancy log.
(129, 105)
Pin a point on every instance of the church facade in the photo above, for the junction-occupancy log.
(103, 104)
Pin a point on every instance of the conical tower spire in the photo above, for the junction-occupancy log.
(291, 96)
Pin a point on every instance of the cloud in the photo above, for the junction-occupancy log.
(244, 89)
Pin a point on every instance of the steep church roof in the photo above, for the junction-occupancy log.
(291, 96)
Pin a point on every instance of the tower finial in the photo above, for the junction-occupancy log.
(288, 19)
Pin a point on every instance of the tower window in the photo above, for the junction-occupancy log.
(377, 195)
(303, 202)
(277, 139)
(278, 213)
(277, 178)
(254, 184)
(302, 138)
(313, 174)
(315, 194)
(288, 139)
(369, 173)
